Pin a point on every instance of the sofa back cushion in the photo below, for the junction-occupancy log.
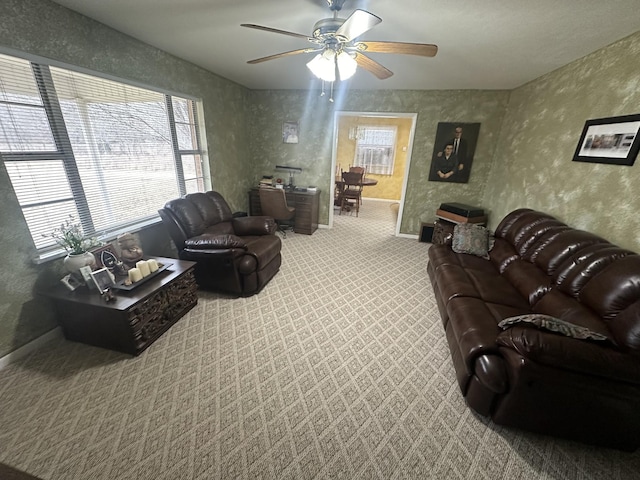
(543, 228)
(552, 253)
(520, 225)
(187, 215)
(615, 294)
(614, 289)
(199, 212)
(212, 207)
(578, 269)
(507, 222)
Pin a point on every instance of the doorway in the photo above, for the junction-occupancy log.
(391, 185)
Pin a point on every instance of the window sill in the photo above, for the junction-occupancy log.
(50, 255)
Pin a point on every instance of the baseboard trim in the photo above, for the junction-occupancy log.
(33, 345)
(384, 200)
(408, 235)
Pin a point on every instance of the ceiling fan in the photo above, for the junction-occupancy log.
(337, 48)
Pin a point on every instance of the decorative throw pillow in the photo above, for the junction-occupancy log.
(553, 324)
(472, 239)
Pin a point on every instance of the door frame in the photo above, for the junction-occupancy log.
(344, 113)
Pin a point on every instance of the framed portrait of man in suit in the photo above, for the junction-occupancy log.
(453, 152)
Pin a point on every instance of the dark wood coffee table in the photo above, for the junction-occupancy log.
(134, 319)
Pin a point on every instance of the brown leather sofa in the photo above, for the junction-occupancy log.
(234, 254)
(534, 379)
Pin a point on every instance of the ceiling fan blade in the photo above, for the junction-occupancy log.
(373, 66)
(283, 54)
(422, 49)
(275, 30)
(359, 21)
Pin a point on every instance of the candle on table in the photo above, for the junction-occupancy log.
(135, 275)
(143, 266)
(153, 265)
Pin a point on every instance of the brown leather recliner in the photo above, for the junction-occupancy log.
(237, 255)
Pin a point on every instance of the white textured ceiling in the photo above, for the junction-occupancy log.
(483, 44)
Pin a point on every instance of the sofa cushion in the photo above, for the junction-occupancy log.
(472, 239)
(528, 279)
(440, 254)
(553, 324)
(502, 254)
(488, 286)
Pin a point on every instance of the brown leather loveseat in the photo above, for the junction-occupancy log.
(528, 377)
(237, 255)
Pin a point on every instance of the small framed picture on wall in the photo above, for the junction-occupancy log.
(613, 140)
(290, 132)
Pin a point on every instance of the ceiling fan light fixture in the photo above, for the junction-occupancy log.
(323, 65)
(347, 65)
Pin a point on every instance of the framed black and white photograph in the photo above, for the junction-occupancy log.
(102, 279)
(612, 140)
(290, 132)
(453, 151)
(71, 282)
(85, 272)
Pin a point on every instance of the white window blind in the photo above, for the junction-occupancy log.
(106, 152)
(375, 149)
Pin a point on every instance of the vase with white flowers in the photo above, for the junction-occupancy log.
(69, 235)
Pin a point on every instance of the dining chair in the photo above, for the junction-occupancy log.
(361, 170)
(352, 190)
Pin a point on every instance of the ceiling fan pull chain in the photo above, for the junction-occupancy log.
(331, 96)
(322, 93)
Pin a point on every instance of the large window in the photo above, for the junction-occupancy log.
(108, 153)
(375, 149)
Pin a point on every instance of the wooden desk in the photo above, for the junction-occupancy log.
(305, 203)
(136, 318)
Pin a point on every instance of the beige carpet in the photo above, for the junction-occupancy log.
(338, 369)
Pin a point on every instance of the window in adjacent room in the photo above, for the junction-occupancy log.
(375, 149)
(106, 152)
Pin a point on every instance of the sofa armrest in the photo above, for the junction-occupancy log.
(582, 356)
(215, 242)
(258, 225)
(491, 373)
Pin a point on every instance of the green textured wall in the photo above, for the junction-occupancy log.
(269, 108)
(533, 166)
(267, 111)
(523, 157)
(41, 28)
